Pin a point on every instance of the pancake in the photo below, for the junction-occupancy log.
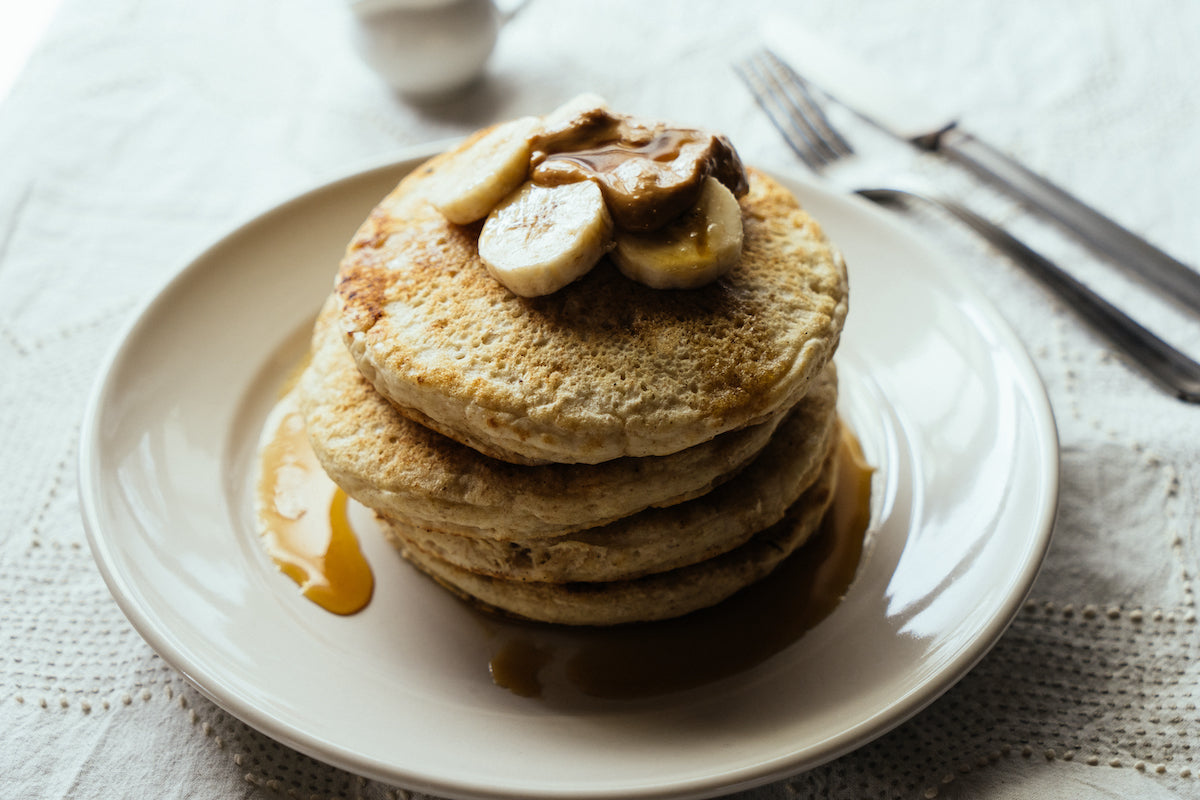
(404, 470)
(604, 368)
(653, 597)
(661, 539)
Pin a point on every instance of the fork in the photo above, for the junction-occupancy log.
(793, 108)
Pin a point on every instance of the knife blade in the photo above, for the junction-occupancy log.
(917, 120)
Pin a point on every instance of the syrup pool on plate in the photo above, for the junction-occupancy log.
(303, 526)
(302, 519)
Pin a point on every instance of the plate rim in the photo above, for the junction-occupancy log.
(749, 775)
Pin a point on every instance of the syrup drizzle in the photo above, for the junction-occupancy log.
(318, 551)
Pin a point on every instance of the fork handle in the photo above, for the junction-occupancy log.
(1162, 362)
(1104, 236)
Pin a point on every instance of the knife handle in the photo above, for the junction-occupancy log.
(1108, 239)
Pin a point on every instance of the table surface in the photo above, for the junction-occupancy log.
(138, 132)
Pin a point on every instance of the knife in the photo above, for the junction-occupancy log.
(913, 119)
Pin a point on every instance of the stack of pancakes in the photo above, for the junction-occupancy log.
(605, 454)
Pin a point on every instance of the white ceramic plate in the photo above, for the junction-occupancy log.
(945, 401)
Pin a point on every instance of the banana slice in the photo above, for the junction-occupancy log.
(487, 171)
(540, 238)
(699, 247)
(576, 112)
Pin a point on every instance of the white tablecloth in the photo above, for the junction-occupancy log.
(140, 131)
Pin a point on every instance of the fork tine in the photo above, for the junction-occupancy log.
(791, 107)
(799, 109)
(807, 104)
(779, 110)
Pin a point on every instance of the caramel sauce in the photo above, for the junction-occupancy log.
(636, 661)
(649, 174)
(315, 548)
(664, 145)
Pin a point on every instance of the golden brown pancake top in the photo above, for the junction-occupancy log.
(603, 368)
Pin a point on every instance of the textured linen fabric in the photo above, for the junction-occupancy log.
(140, 131)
